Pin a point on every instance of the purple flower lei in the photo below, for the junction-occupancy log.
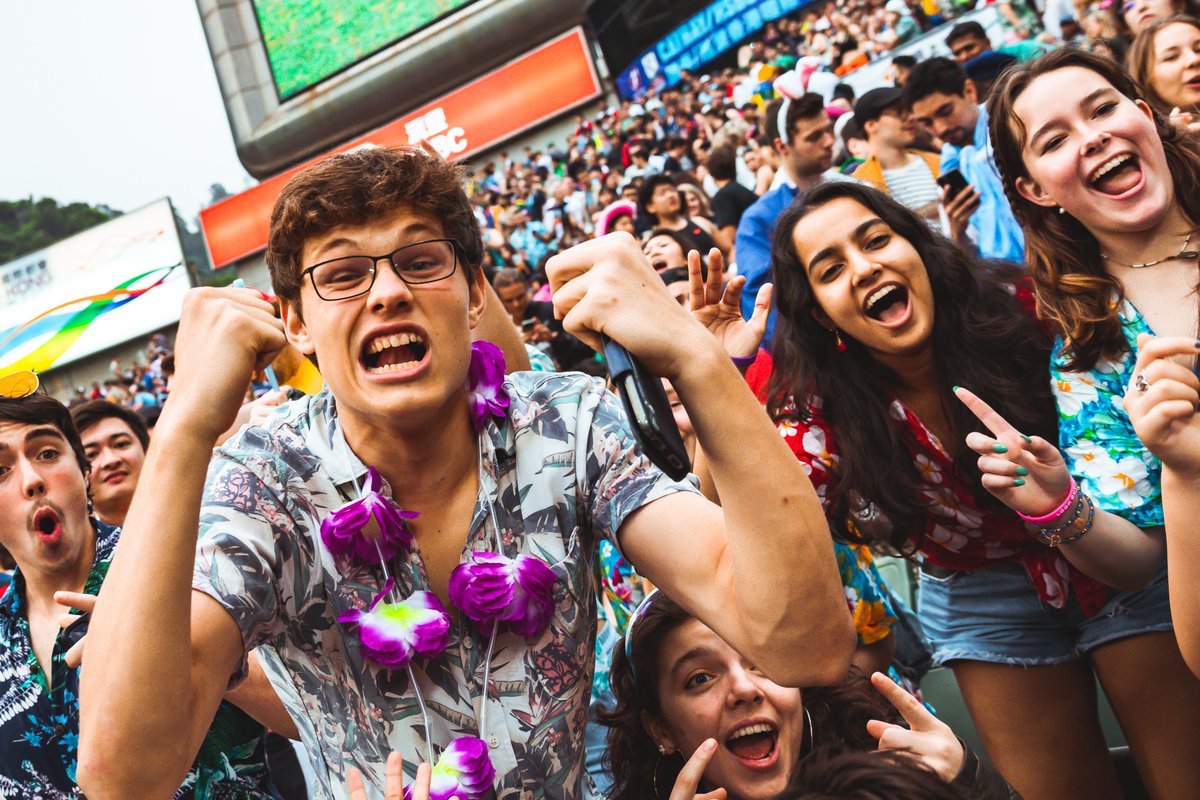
(485, 379)
(490, 589)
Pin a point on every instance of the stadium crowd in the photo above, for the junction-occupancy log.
(939, 319)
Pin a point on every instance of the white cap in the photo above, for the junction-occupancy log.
(897, 7)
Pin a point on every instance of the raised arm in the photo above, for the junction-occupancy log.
(1028, 475)
(1165, 418)
(760, 570)
(168, 653)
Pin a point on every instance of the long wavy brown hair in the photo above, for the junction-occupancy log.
(1074, 292)
(1141, 61)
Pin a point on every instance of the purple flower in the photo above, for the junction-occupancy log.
(392, 633)
(490, 588)
(355, 528)
(485, 383)
(463, 770)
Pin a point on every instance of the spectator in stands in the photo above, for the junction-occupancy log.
(62, 556)
(1165, 60)
(661, 202)
(759, 157)
(667, 248)
(618, 217)
(535, 319)
(804, 143)
(944, 101)
(732, 198)
(983, 70)
(526, 235)
(115, 440)
(967, 40)
(1136, 15)
(902, 65)
(909, 176)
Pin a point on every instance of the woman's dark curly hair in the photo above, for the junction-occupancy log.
(839, 714)
(982, 339)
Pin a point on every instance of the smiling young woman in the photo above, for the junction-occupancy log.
(1165, 61)
(1105, 189)
(879, 318)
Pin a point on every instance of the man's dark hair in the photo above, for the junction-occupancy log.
(722, 163)
(905, 62)
(807, 107)
(42, 409)
(965, 30)
(88, 414)
(508, 277)
(357, 187)
(934, 76)
(646, 193)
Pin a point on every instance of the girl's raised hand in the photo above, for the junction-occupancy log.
(1161, 402)
(926, 737)
(1025, 473)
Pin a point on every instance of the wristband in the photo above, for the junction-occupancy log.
(743, 362)
(1056, 513)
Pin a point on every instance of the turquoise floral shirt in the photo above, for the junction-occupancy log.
(1098, 441)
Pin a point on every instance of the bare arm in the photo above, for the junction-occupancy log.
(1114, 551)
(1165, 418)
(168, 651)
(760, 570)
(257, 697)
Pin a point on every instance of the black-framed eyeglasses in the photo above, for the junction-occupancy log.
(350, 276)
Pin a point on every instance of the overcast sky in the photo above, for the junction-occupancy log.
(111, 102)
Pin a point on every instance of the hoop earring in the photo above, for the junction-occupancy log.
(841, 346)
(654, 778)
(812, 732)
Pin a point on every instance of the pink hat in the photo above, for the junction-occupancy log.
(621, 208)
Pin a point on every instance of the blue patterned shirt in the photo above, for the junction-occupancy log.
(39, 725)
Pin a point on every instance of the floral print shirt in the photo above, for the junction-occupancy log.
(560, 472)
(959, 533)
(39, 724)
(1102, 449)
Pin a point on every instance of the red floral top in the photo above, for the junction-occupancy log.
(959, 535)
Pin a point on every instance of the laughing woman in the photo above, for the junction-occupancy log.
(1105, 188)
(879, 317)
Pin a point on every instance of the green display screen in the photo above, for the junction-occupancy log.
(309, 40)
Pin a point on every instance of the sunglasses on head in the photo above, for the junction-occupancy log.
(19, 384)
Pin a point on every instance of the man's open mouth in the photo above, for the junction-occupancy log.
(393, 352)
(754, 745)
(887, 304)
(47, 523)
(1117, 175)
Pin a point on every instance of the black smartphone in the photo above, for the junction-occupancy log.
(954, 181)
(649, 410)
(76, 630)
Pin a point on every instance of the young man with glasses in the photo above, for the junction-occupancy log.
(61, 550)
(556, 469)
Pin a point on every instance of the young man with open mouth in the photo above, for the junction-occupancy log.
(337, 536)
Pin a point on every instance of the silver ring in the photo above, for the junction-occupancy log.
(1139, 383)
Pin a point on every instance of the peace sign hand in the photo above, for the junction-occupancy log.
(394, 790)
(721, 311)
(1162, 402)
(693, 771)
(926, 737)
(1025, 473)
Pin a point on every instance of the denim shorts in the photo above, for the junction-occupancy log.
(995, 615)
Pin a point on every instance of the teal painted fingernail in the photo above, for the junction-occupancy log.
(1022, 471)
(955, 388)
(999, 448)
(1026, 438)
(1018, 482)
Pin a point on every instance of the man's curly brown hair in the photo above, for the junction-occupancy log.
(356, 187)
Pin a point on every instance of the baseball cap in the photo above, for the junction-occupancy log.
(872, 104)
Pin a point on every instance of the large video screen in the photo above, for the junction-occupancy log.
(310, 40)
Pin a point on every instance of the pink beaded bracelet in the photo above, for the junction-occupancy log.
(1056, 513)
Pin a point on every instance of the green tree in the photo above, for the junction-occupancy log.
(28, 225)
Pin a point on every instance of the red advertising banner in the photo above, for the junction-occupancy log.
(513, 98)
